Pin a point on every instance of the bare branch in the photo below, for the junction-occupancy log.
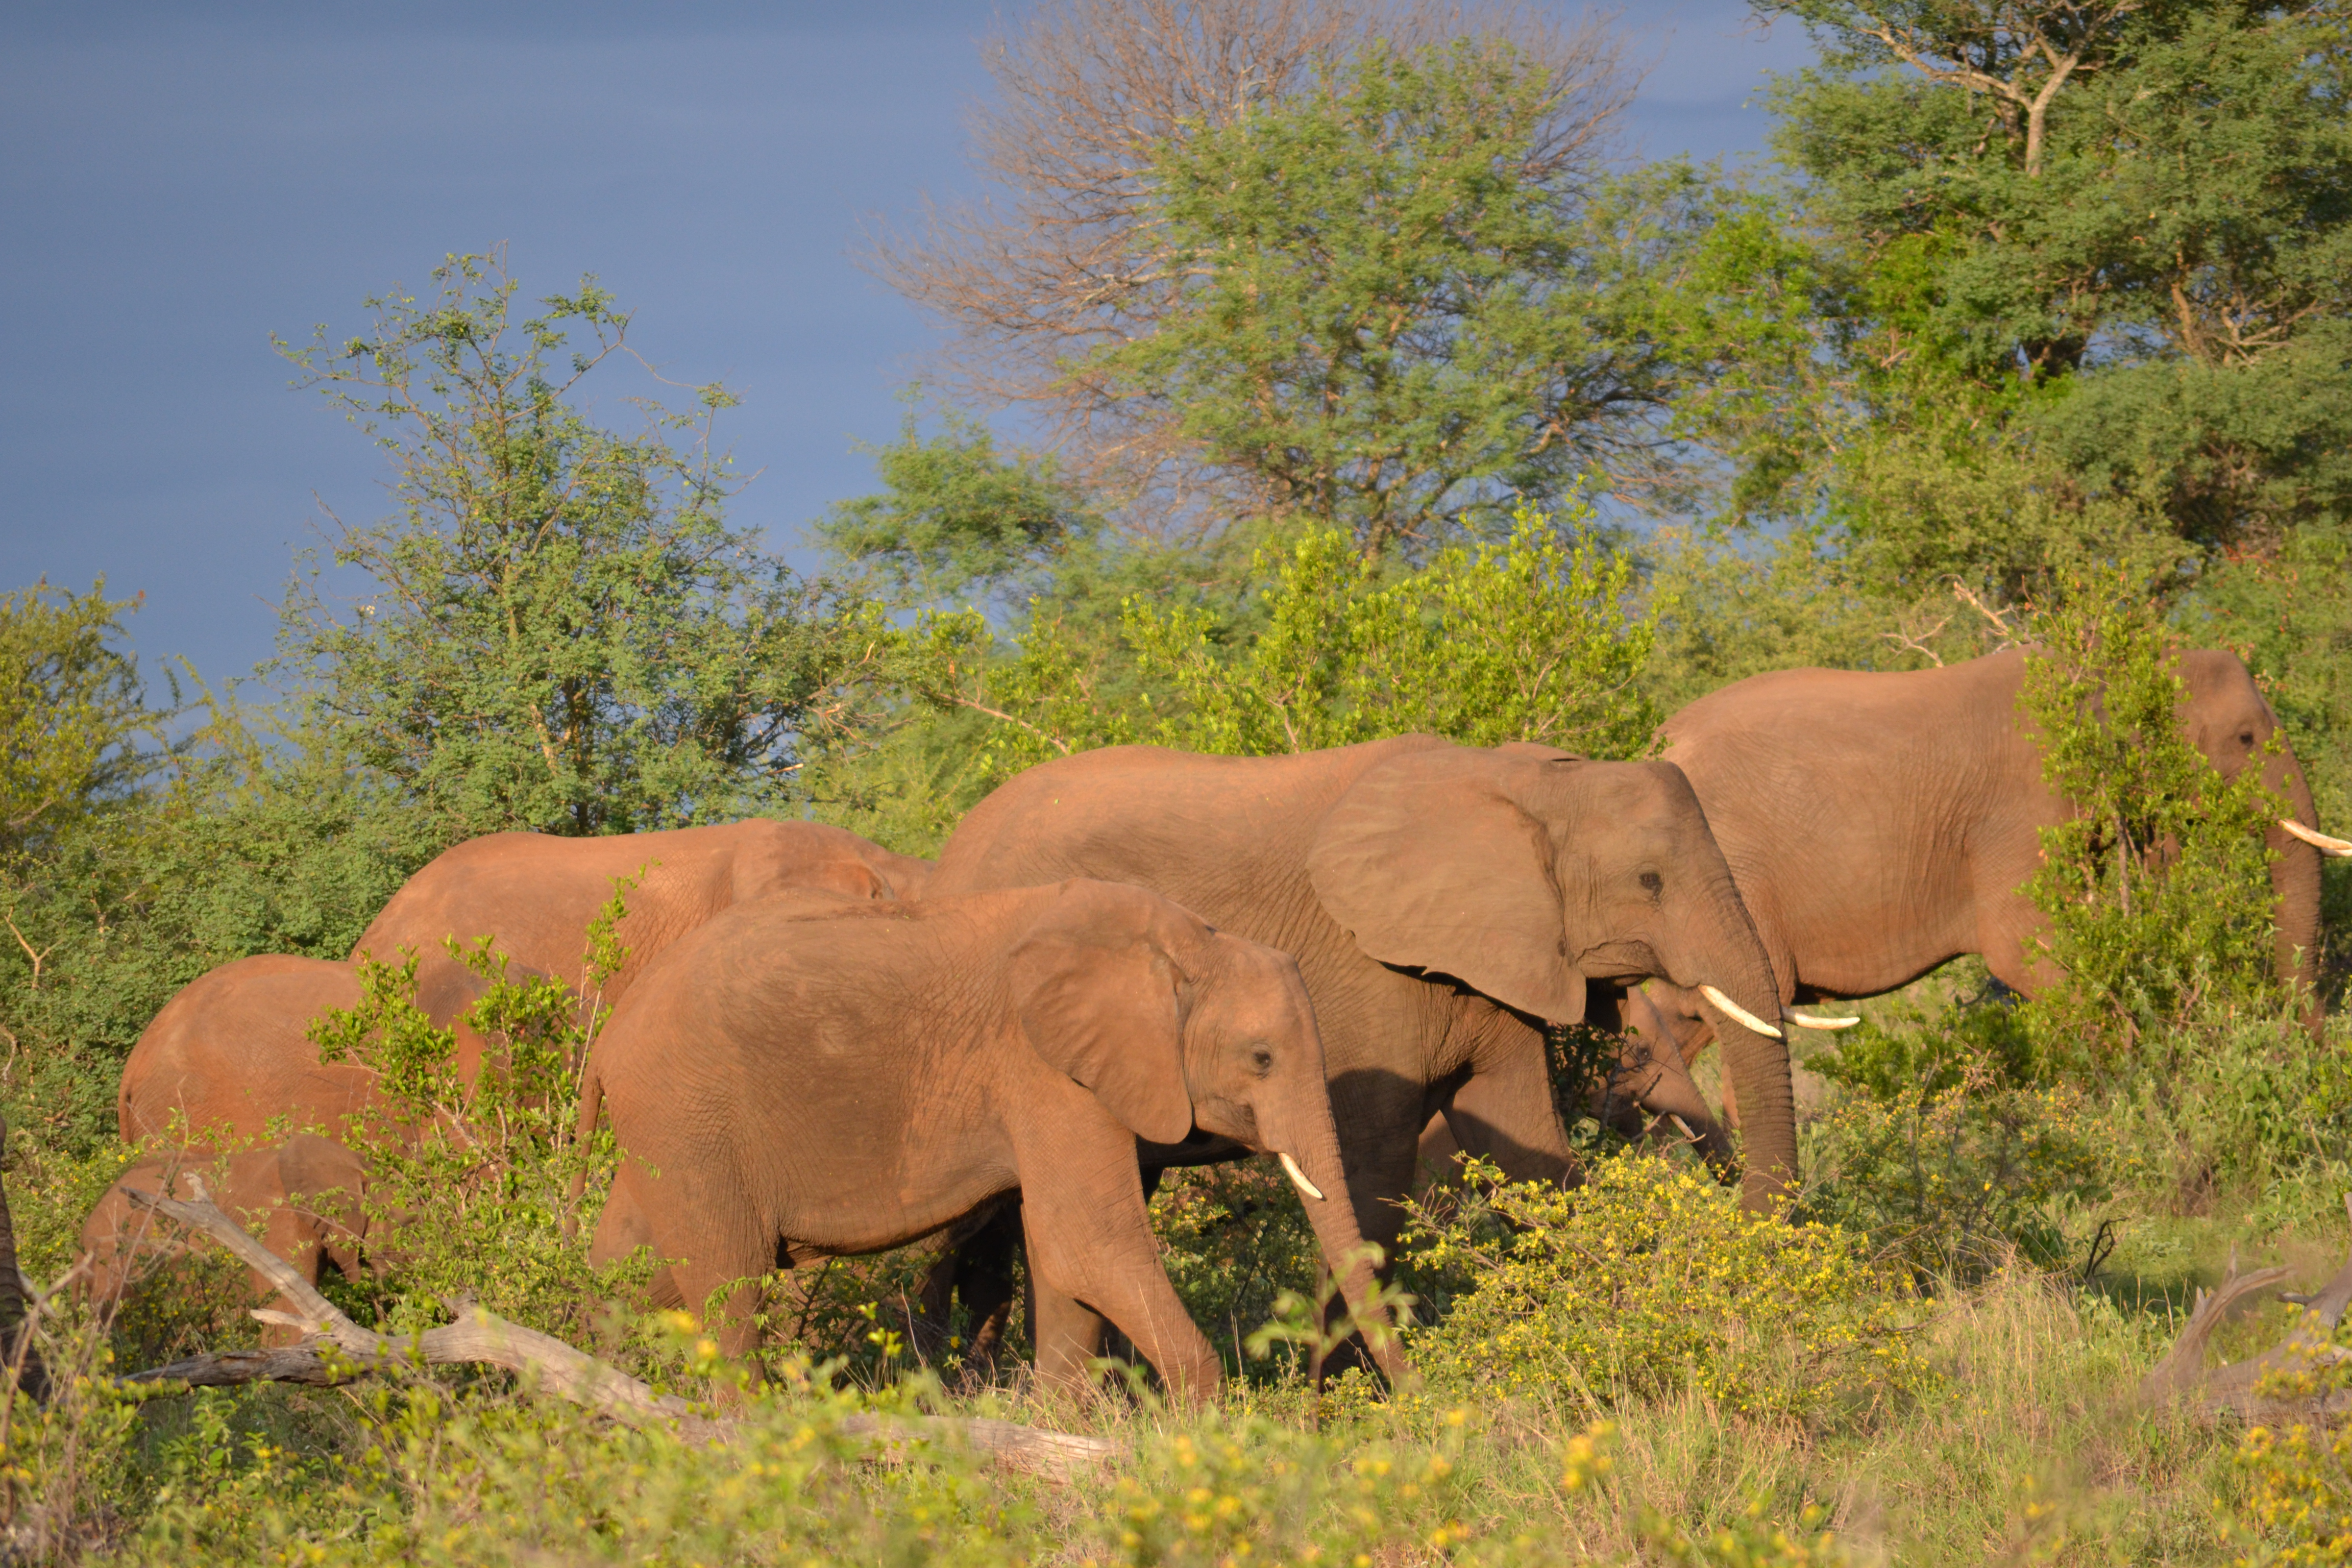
(340, 1351)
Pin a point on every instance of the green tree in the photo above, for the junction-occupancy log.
(1533, 639)
(1388, 313)
(958, 519)
(561, 632)
(1404, 184)
(72, 709)
(2085, 273)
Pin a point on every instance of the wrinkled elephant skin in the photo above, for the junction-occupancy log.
(1443, 902)
(789, 1084)
(535, 894)
(1879, 824)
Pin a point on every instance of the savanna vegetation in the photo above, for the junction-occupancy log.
(1322, 371)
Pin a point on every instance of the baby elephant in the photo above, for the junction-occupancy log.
(305, 1190)
(790, 1083)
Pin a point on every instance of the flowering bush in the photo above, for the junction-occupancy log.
(1650, 1275)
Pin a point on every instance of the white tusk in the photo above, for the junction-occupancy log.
(1684, 1125)
(2319, 841)
(1298, 1177)
(1807, 1021)
(1739, 1013)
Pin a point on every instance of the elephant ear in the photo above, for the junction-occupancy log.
(1442, 860)
(1097, 995)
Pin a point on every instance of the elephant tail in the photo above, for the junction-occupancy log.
(591, 1108)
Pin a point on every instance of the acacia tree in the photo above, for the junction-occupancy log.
(2086, 260)
(561, 632)
(1112, 113)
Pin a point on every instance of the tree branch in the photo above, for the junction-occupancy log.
(339, 1351)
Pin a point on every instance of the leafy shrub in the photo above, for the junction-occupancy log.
(1650, 1276)
(2156, 890)
(1233, 1238)
(1947, 1178)
(2237, 1103)
(485, 1191)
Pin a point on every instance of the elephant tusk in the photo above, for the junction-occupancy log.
(1807, 1021)
(1298, 1177)
(2319, 841)
(1686, 1127)
(1737, 1014)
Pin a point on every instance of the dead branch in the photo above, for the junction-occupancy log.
(2236, 1386)
(339, 1351)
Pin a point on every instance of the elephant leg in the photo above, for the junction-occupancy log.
(717, 1241)
(1503, 1113)
(1090, 1242)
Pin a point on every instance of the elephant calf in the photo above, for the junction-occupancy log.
(791, 1082)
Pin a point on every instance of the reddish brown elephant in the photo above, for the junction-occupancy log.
(306, 1191)
(790, 1083)
(228, 1055)
(535, 894)
(231, 1049)
(1443, 902)
(1879, 824)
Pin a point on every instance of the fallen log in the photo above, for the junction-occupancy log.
(2236, 1386)
(338, 1351)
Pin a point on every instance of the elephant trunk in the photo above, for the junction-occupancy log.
(1310, 1145)
(1734, 981)
(2294, 886)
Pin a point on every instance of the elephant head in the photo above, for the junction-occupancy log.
(2223, 715)
(1524, 873)
(1175, 1027)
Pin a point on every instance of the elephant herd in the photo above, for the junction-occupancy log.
(1134, 959)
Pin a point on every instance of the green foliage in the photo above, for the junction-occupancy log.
(2156, 890)
(2082, 280)
(484, 1189)
(1529, 640)
(1395, 311)
(256, 847)
(954, 517)
(1949, 1178)
(2280, 613)
(563, 634)
(2299, 1471)
(1234, 1241)
(71, 708)
(1649, 1275)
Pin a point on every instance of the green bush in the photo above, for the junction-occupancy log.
(2156, 890)
(1947, 1178)
(1650, 1276)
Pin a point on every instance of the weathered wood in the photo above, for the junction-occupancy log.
(2236, 1387)
(339, 1351)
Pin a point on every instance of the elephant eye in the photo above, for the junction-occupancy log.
(1262, 1060)
(2246, 737)
(1653, 883)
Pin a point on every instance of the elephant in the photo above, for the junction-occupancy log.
(790, 1083)
(307, 1190)
(535, 895)
(1879, 824)
(229, 1055)
(231, 1049)
(1443, 904)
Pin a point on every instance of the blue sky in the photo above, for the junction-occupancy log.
(179, 181)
